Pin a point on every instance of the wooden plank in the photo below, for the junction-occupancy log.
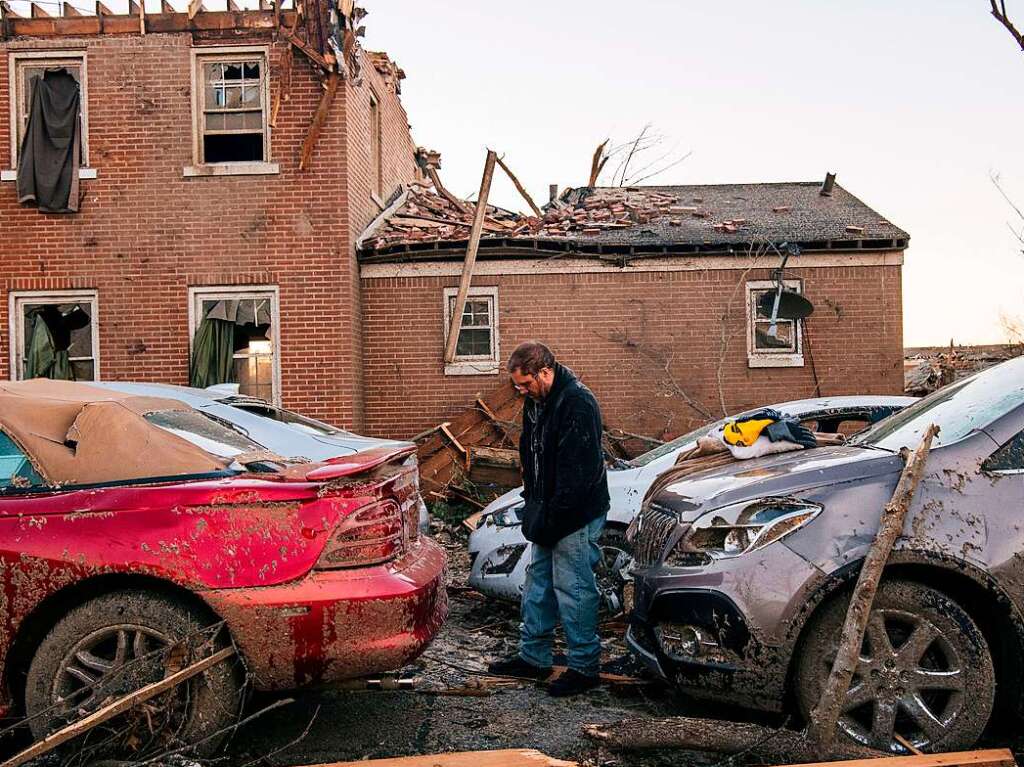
(284, 85)
(308, 51)
(498, 456)
(194, 7)
(471, 251)
(520, 188)
(116, 708)
(451, 437)
(472, 522)
(993, 757)
(517, 757)
(443, 191)
(142, 17)
(219, 21)
(319, 119)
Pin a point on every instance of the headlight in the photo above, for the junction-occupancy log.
(742, 527)
(510, 516)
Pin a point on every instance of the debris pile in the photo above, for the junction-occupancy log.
(926, 369)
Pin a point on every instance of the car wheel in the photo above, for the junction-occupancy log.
(925, 672)
(115, 644)
(615, 558)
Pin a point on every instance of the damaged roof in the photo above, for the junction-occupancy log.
(655, 219)
(76, 434)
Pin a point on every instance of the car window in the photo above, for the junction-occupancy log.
(839, 425)
(1007, 459)
(203, 432)
(15, 468)
(301, 422)
(958, 409)
(669, 447)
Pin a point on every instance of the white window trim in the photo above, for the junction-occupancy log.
(199, 168)
(13, 59)
(477, 365)
(233, 293)
(377, 171)
(762, 359)
(17, 326)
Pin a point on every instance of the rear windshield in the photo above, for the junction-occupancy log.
(300, 422)
(203, 432)
(958, 409)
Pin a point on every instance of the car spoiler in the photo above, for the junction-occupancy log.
(358, 463)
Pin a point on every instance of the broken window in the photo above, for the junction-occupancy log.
(232, 109)
(16, 471)
(1009, 459)
(376, 151)
(771, 344)
(234, 341)
(56, 336)
(477, 348)
(28, 67)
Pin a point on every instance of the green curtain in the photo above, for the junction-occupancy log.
(42, 360)
(213, 351)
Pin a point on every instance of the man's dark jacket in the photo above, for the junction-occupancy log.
(565, 484)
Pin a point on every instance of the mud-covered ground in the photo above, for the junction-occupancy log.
(329, 726)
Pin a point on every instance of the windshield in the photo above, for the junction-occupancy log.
(203, 432)
(957, 409)
(678, 442)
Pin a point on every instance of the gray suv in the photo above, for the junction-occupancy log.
(744, 572)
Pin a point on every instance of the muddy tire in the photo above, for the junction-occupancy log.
(925, 671)
(614, 557)
(117, 643)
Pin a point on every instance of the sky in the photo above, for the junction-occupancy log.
(913, 103)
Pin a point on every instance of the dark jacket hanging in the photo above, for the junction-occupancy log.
(50, 150)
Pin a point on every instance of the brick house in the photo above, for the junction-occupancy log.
(649, 293)
(191, 194)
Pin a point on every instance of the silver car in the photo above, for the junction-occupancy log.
(500, 553)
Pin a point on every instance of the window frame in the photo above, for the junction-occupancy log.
(16, 62)
(489, 364)
(16, 301)
(761, 358)
(233, 53)
(196, 296)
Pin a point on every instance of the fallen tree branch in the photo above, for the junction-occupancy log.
(824, 718)
(116, 708)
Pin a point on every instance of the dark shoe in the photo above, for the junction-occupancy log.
(517, 667)
(572, 682)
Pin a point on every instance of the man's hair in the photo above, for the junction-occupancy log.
(531, 357)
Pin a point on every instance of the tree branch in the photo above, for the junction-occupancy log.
(999, 12)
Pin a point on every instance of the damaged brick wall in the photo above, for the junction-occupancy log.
(145, 234)
(618, 329)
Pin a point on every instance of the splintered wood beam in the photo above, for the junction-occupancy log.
(308, 51)
(471, 250)
(443, 191)
(284, 84)
(520, 188)
(125, 24)
(319, 118)
(142, 17)
(194, 7)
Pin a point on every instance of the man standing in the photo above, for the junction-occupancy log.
(565, 489)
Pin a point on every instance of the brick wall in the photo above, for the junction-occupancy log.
(145, 234)
(619, 331)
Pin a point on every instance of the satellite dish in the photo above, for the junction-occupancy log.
(792, 305)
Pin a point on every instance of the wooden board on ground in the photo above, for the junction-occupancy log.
(515, 757)
(993, 757)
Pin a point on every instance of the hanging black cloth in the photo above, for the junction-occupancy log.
(50, 150)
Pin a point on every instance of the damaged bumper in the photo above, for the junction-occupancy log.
(714, 632)
(337, 624)
(499, 556)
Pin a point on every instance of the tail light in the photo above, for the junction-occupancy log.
(369, 536)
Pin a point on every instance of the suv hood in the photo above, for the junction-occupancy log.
(777, 475)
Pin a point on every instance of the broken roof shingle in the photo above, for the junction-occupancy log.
(725, 215)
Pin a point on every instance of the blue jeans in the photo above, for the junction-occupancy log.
(560, 583)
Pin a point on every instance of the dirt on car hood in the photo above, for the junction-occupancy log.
(777, 475)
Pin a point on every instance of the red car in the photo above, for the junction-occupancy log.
(130, 523)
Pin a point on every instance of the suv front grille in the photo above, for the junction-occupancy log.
(653, 527)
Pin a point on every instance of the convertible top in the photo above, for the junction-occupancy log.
(78, 434)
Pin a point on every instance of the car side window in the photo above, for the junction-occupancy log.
(16, 471)
(1007, 459)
